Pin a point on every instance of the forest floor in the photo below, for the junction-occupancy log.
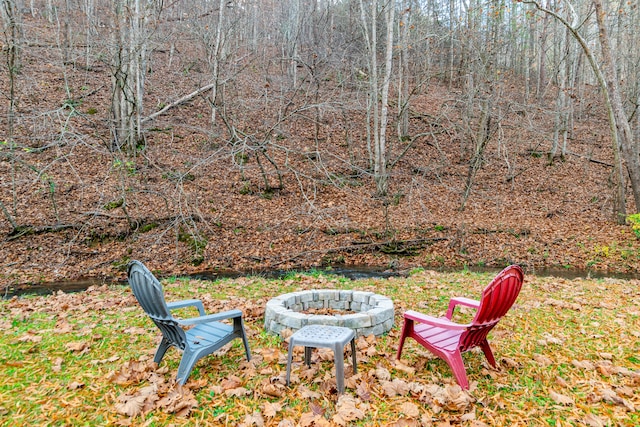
(290, 195)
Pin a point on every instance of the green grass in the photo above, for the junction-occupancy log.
(567, 354)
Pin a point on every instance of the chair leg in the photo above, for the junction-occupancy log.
(455, 362)
(353, 355)
(488, 353)
(307, 356)
(406, 328)
(162, 349)
(239, 328)
(339, 361)
(187, 363)
(289, 359)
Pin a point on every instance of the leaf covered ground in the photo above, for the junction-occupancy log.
(195, 197)
(568, 354)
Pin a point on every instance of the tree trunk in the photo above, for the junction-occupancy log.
(629, 149)
(619, 204)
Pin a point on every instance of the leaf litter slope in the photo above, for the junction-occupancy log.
(567, 355)
(188, 182)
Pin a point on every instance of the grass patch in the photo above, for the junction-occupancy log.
(567, 354)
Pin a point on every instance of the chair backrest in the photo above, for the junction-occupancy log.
(496, 300)
(148, 291)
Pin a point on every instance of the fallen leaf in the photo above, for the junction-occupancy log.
(254, 419)
(306, 393)
(363, 390)
(592, 420)
(231, 382)
(130, 405)
(397, 387)
(271, 409)
(77, 346)
(410, 410)
(347, 410)
(562, 382)
(583, 364)
(543, 361)
(273, 390)
(400, 366)
(561, 399)
(56, 366)
(30, 337)
(382, 374)
(239, 391)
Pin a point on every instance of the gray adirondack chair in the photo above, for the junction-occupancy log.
(207, 335)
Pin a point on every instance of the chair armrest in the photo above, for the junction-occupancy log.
(187, 303)
(467, 302)
(433, 321)
(211, 317)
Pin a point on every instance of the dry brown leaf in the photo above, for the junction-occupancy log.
(542, 360)
(30, 337)
(130, 406)
(362, 344)
(583, 364)
(562, 382)
(382, 374)
(271, 354)
(239, 391)
(271, 409)
(347, 410)
(273, 390)
(254, 419)
(179, 401)
(308, 419)
(133, 405)
(56, 366)
(317, 408)
(404, 422)
(469, 416)
(410, 410)
(457, 398)
(401, 366)
(75, 385)
(561, 399)
(397, 387)
(63, 327)
(78, 346)
(306, 393)
(363, 390)
(509, 362)
(103, 361)
(625, 391)
(136, 330)
(231, 382)
(608, 395)
(592, 420)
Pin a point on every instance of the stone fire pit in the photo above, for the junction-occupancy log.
(365, 312)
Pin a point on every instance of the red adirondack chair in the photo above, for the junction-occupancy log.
(448, 340)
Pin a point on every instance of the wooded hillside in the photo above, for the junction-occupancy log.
(266, 134)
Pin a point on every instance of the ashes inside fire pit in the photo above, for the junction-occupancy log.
(365, 312)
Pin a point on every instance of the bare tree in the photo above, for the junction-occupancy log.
(129, 68)
(379, 81)
(11, 33)
(572, 27)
